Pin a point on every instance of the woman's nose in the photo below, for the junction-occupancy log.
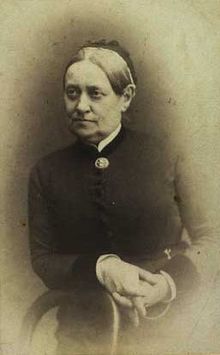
(83, 103)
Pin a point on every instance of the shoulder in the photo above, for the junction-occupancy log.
(137, 140)
(135, 134)
(55, 160)
(156, 152)
(149, 142)
(145, 138)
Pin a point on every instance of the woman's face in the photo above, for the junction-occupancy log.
(93, 108)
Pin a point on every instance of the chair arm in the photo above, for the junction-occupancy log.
(49, 300)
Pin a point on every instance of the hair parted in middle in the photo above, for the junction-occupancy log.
(113, 59)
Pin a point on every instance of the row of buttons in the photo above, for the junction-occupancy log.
(103, 163)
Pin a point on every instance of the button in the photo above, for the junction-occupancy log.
(104, 219)
(99, 193)
(102, 163)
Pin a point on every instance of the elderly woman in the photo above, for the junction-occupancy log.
(108, 213)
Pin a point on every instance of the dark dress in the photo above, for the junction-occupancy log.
(136, 208)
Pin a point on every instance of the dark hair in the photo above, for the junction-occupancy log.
(120, 70)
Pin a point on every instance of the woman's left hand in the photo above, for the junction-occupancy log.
(158, 292)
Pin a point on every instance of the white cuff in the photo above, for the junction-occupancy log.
(98, 265)
(172, 285)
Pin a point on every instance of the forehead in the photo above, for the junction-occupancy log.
(85, 73)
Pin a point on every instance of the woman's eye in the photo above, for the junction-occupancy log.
(95, 94)
(72, 93)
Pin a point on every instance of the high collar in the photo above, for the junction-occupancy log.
(101, 145)
(109, 144)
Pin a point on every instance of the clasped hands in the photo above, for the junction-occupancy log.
(133, 287)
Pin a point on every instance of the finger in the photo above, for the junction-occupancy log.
(109, 284)
(122, 300)
(150, 300)
(136, 318)
(140, 290)
(133, 315)
(146, 287)
(139, 305)
(148, 276)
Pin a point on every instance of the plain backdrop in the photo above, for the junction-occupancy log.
(176, 51)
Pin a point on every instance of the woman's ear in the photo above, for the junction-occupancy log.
(127, 96)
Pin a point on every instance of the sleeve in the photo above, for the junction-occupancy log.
(56, 270)
(99, 265)
(198, 198)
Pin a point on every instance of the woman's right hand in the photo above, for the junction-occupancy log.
(125, 281)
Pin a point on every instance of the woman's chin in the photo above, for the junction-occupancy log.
(84, 132)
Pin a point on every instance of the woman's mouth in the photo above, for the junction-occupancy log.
(82, 120)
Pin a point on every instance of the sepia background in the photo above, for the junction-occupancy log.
(176, 51)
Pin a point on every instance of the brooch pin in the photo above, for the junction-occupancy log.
(168, 253)
(102, 163)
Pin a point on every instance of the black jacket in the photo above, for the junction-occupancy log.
(136, 208)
